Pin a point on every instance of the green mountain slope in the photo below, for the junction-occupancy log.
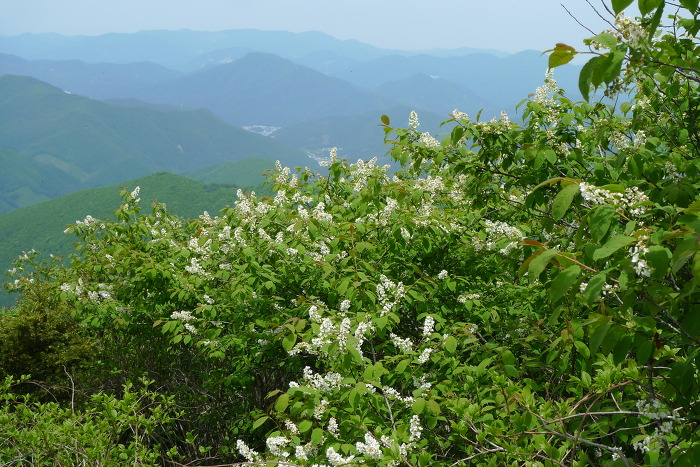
(41, 225)
(72, 142)
(246, 172)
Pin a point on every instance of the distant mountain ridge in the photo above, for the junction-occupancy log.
(181, 49)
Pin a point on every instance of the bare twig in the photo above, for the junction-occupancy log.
(576, 19)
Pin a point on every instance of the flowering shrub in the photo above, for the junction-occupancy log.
(514, 294)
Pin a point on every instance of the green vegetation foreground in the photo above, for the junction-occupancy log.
(515, 295)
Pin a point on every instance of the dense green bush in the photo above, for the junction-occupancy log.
(514, 295)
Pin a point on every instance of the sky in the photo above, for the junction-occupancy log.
(507, 25)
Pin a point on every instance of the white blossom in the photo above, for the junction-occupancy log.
(413, 122)
(370, 448)
(336, 459)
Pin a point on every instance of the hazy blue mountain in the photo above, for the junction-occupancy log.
(504, 81)
(218, 57)
(265, 89)
(435, 94)
(72, 142)
(98, 80)
(358, 136)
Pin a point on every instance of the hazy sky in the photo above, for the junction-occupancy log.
(509, 25)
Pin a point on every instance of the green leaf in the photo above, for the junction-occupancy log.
(597, 336)
(260, 421)
(419, 406)
(619, 5)
(563, 200)
(354, 397)
(511, 371)
(563, 282)
(561, 55)
(595, 285)
(612, 245)
(644, 351)
(582, 349)
(600, 221)
(434, 407)
(508, 357)
(585, 77)
(538, 263)
(606, 39)
(282, 402)
(647, 6)
(401, 367)
(450, 345)
(305, 425)
(289, 341)
(613, 65)
(317, 436)
(385, 119)
(691, 5)
(659, 258)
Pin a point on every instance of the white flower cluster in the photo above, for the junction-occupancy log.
(428, 140)
(428, 326)
(459, 115)
(134, 195)
(336, 459)
(361, 171)
(393, 394)
(322, 383)
(425, 355)
(403, 344)
(497, 230)
(413, 122)
(250, 454)
(655, 410)
(637, 251)
(431, 184)
(631, 199)
(630, 29)
(544, 97)
(470, 296)
(385, 290)
(370, 447)
(328, 331)
(415, 429)
(332, 158)
(275, 445)
(622, 141)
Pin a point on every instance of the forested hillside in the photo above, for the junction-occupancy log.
(54, 143)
